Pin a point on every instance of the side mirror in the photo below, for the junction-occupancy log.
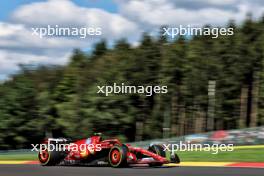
(97, 134)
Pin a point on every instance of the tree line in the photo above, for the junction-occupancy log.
(213, 84)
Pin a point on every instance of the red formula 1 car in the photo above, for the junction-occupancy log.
(96, 151)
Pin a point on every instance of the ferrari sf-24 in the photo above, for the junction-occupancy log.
(111, 153)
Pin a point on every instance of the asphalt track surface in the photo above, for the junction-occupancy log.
(35, 170)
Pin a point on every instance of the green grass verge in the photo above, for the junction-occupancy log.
(238, 155)
(14, 156)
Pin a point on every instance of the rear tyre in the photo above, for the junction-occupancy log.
(50, 158)
(118, 156)
(157, 149)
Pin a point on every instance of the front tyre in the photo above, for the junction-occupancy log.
(175, 159)
(118, 156)
(157, 149)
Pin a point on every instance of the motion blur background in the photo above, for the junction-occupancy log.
(49, 86)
